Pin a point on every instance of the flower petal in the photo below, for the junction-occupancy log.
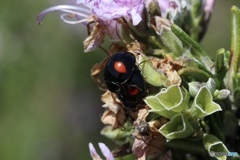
(93, 152)
(105, 151)
(79, 11)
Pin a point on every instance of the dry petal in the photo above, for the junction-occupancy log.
(115, 120)
(142, 114)
(169, 67)
(111, 102)
(96, 71)
(139, 148)
(148, 140)
(114, 114)
(95, 38)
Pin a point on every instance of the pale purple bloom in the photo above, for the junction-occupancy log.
(208, 7)
(109, 10)
(79, 13)
(104, 10)
(104, 149)
(171, 9)
(163, 4)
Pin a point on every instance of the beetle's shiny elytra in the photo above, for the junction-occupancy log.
(124, 78)
(120, 67)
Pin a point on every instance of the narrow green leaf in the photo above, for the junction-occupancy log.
(235, 47)
(168, 38)
(151, 75)
(196, 49)
(194, 72)
(219, 60)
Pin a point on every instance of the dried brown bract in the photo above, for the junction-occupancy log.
(114, 113)
(148, 141)
(96, 71)
(96, 36)
(169, 67)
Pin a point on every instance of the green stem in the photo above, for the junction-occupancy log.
(220, 68)
(195, 72)
(235, 46)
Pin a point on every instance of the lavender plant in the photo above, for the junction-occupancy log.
(190, 108)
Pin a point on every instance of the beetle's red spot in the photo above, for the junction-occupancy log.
(133, 91)
(120, 67)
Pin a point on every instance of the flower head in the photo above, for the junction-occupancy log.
(110, 10)
(102, 9)
(191, 16)
(172, 9)
(103, 14)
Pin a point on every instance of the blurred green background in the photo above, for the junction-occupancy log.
(50, 107)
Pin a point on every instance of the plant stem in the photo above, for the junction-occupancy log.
(235, 47)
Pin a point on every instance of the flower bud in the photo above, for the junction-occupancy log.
(194, 88)
(190, 15)
(211, 85)
(222, 94)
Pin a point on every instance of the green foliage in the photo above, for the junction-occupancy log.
(177, 128)
(152, 76)
(213, 144)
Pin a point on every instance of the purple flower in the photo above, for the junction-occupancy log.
(172, 8)
(103, 13)
(109, 10)
(79, 13)
(104, 149)
(163, 4)
(192, 16)
(104, 10)
(208, 7)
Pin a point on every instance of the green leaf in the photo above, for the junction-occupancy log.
(168, 38)
(203, 104)
(155, 105)
(177, 127)
(196, 49)
(172, 98)
(169, 102)
(213, 145)
(219, 60)
(194, 72)
(151, 75)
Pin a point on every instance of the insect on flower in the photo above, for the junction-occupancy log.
(123, 77)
